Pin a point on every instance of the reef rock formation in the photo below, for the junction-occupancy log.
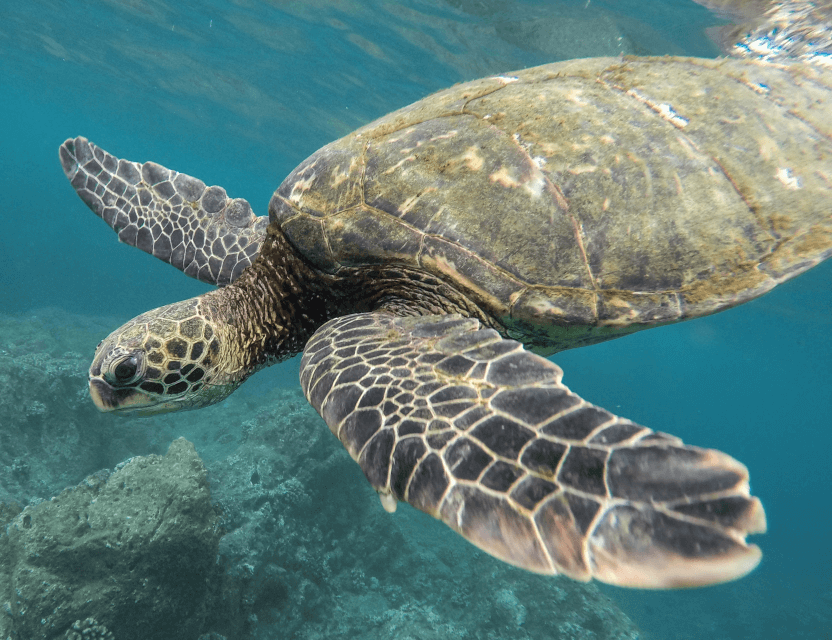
(135, 549)
(52, 435)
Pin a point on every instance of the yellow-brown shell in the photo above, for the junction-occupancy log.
(603, 193)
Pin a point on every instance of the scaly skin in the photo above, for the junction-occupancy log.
(194, 353)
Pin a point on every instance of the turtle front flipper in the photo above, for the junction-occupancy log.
(170, 215)
(480, 433)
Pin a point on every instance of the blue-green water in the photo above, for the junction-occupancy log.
(238, 92)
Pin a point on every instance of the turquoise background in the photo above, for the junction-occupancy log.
(239, 92)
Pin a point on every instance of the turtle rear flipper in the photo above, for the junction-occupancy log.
(480, 433)
(172, 216)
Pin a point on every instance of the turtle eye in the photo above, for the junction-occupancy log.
(126, 370)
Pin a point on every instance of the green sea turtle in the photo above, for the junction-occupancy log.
(420, 261)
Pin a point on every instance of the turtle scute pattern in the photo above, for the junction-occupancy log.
(640, 191)
(472, 429)
(170, 215)
(179, 348)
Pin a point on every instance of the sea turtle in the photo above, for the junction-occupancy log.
(420, 261)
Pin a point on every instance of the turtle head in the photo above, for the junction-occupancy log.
(168, 359)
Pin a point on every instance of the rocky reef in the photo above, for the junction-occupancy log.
(51, 436)
(135, 548)
(273, 532)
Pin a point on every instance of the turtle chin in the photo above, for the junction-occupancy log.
(129, 401)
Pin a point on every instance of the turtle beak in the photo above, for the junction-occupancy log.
(98, 393)
(132, 401)
(108, 399)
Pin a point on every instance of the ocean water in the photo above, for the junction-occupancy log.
(237, 92)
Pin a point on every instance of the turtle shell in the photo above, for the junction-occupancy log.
(579, 200)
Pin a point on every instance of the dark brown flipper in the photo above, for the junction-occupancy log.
(480, 433)
(172, 216)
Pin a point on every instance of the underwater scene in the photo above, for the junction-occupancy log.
(248, 520)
